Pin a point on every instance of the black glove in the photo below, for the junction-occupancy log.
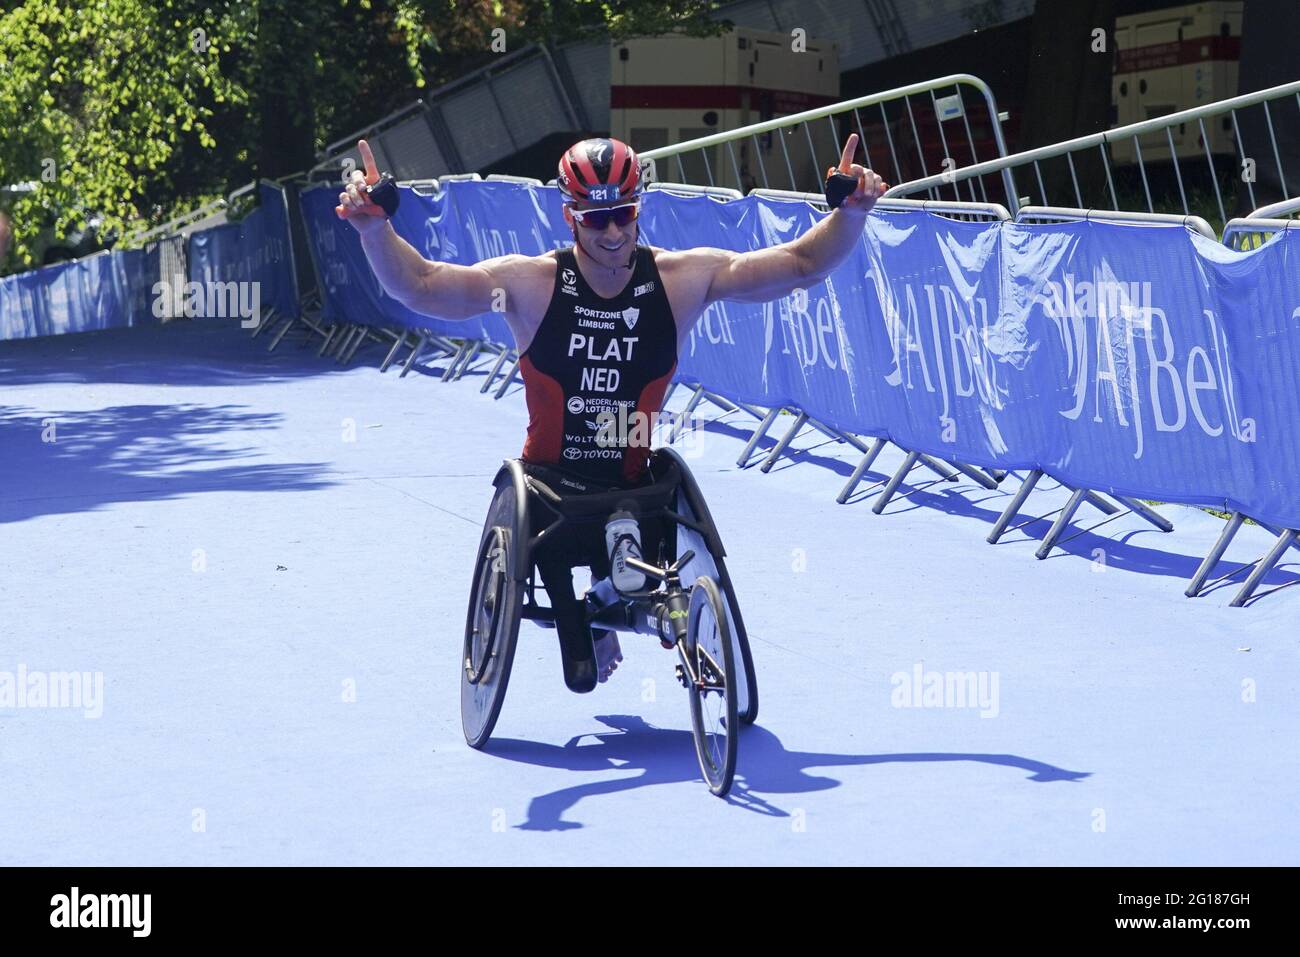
(839, 186)
(384, 194)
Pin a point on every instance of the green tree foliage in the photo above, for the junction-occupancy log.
(96, 99)
(129, 111)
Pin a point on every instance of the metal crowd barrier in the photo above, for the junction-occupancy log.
(941, 110)
(1006, 165)
(1245, 233)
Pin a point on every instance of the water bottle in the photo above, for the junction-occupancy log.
(623, 539)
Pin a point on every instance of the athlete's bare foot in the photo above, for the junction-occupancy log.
(608, 653)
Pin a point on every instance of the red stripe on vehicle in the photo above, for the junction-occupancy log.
(1157, 56)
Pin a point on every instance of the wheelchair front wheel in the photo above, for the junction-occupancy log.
(709, 670)
(491, 626)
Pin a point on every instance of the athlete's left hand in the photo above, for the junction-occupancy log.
(870, 186)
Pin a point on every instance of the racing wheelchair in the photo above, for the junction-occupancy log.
(688, 603)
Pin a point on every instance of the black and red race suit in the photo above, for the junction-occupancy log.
(594, 375)
(596, 372)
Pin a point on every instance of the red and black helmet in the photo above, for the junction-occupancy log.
(599, 171)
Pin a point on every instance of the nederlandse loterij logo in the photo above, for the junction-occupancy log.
(102, 910)
(576, 405)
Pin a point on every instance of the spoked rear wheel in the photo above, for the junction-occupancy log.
(710, 667)
(491, 629)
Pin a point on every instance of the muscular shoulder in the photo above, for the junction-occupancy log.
(527, 282)
(516, 267)
(524, 278)
(690, 265)
(688, 274)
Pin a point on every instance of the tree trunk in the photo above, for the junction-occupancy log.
(286, 108)
(1069, 95)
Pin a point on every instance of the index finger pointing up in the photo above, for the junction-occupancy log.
(368, 161)
(846, 160)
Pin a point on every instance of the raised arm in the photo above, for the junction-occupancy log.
(765, 274)
(445, 290)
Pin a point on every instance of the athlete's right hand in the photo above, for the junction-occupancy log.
(355, 204)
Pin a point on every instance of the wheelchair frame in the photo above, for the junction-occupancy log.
(517, 494)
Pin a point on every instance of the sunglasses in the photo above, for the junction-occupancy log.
(600, 218)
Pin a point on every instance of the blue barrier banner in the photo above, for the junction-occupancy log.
(1144, 360)
(120, 288)
(464, 223)
(348, 287)
(78, 296)
(136, 271)
(255, 249)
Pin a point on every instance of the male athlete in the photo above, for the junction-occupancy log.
(598, 327)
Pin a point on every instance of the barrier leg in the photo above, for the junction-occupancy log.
(1145, 511)
(415, 354)
(263, 320)
(329, 337)
(1264, 566)
(345, 343)
(858, 472)
(1014, 506)
(451, 366)
(775, 454)
(685, 414)
(392, 353)
(1062, 520)
(1225, 538)
(469, 359)
(345, 331)
(342, 355)
(1274, 530)
(909, 463)
(833, 433)
(940, 469)
(284, 330)
(1095, 500)
(314, 328)
(757, 436)
(505, 383)
(979, 475)
(360, 340)
(722, 402)
(496, 367)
